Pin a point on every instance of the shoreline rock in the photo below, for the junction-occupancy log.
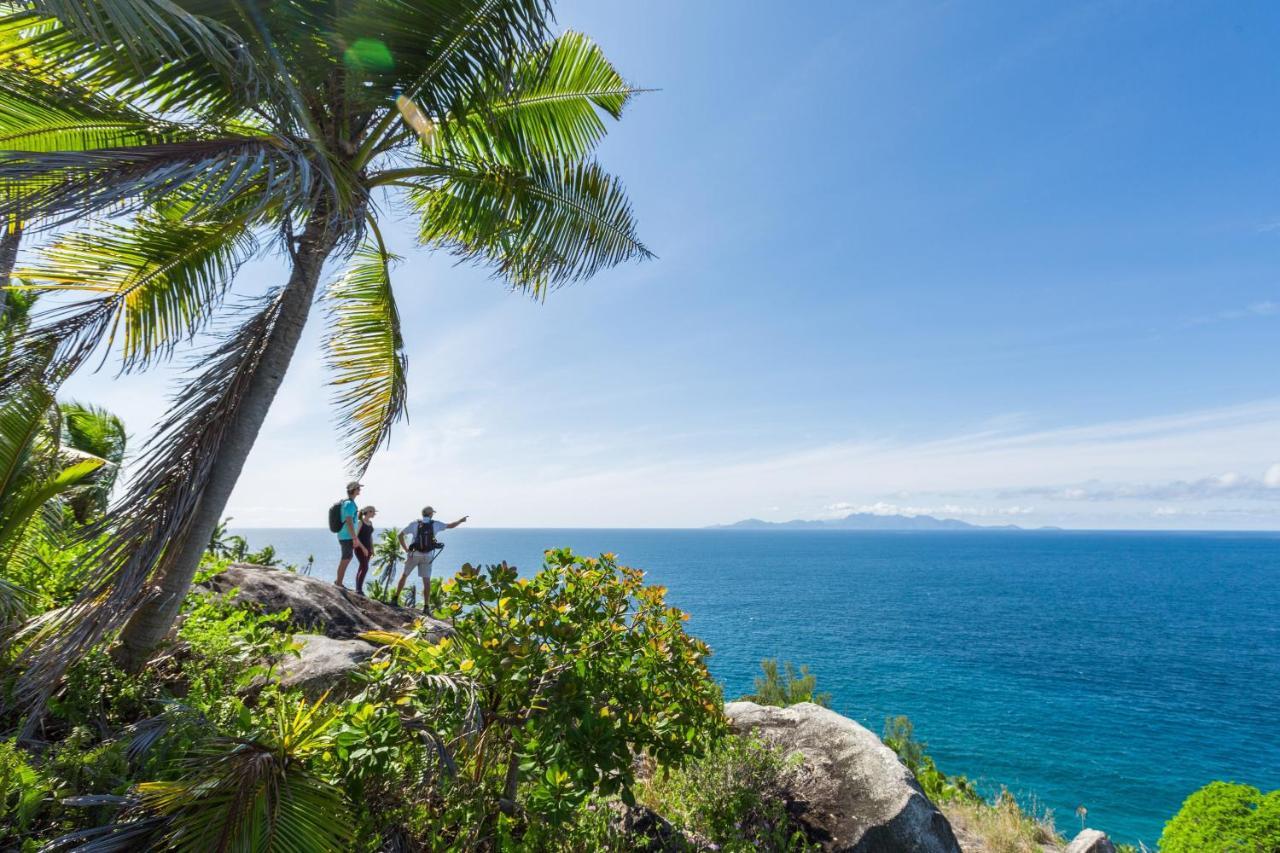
(857, 796)
(317, 606)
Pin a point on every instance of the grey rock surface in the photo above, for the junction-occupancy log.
(323, 664)
(855, 794)
(317, 605)
(1091, 841)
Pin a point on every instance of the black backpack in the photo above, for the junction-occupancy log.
(424, 538)
(335, 517)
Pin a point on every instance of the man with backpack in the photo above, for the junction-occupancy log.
(342, 521)
(418, 539)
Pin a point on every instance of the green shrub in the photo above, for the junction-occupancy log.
(899, 735)
(548, 688)
(25, 794)
(786, 687)
(734, 796)
(1224, 816)
(229, 647)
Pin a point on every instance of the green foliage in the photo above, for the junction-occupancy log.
(1224, 816)
(94, 430)
(899, 735)
(734, 796)
(786, 687)
(24, 793)
(231, 647)
(254, 792)
(542, 697)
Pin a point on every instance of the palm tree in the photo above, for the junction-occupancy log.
(298, 122)
(94, 430)
(35, 471)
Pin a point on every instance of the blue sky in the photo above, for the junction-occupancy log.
(996, 261)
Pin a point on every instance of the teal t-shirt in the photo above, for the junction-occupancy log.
(350, 511)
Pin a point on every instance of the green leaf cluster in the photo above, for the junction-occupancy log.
(786, 686)
(899, 735)
(545, 693)
(1225, 817)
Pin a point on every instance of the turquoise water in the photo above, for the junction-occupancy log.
(1120, 671)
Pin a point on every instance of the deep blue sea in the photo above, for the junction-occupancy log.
(1119, 671)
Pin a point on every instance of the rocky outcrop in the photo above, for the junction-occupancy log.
(317, 606)
(323, 664)
(853, 792)
(1091, 841)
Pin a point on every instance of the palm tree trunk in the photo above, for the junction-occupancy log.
(151, 622)
(10, 237)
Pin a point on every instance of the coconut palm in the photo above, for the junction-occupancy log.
(35, 471)
(295, 123)
(93, 430)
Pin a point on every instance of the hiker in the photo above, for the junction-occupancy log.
(364, 536)
(347, 541)
(421, 549)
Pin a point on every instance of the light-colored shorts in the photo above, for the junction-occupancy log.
(420, 561)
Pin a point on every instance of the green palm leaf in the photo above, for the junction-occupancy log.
(160, 278)
(365, 353)
(59, 116)
(59, 186)
(546, 224)
(549, 105)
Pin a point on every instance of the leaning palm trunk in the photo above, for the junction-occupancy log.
(10, 238)
(153, 619)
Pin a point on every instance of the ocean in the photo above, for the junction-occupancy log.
(1118, 671)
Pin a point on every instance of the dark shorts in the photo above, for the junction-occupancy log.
(347, 548)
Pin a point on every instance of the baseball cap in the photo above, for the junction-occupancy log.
(354, 484)
(428, 510)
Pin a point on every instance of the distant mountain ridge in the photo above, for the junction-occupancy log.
(865, 521)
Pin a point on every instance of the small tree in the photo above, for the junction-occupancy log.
(786, 687)
(556, 683)
(1224, 816)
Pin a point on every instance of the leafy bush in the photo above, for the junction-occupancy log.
(786, 687)
(229, 647)
(25, 792)
(542, 697)
(1224, 816)
(734, 796)
(899, 735)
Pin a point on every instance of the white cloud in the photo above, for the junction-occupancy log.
(1272, 477)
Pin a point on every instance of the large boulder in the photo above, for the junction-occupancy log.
(323, 664)
(1091, 841)
(317, 605)
(855, 795)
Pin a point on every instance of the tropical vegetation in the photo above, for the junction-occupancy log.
(168, 143)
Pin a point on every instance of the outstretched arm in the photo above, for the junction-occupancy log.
(456, 523)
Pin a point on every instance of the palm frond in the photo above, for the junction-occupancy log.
(247, 794)
(198, 66)
(546, 224)
(56, 187)
(41, 112)
(365, 353)
(159, 279)
(548, 105)
(439, 51)
(149, 31)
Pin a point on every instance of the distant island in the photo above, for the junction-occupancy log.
(868, 521)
